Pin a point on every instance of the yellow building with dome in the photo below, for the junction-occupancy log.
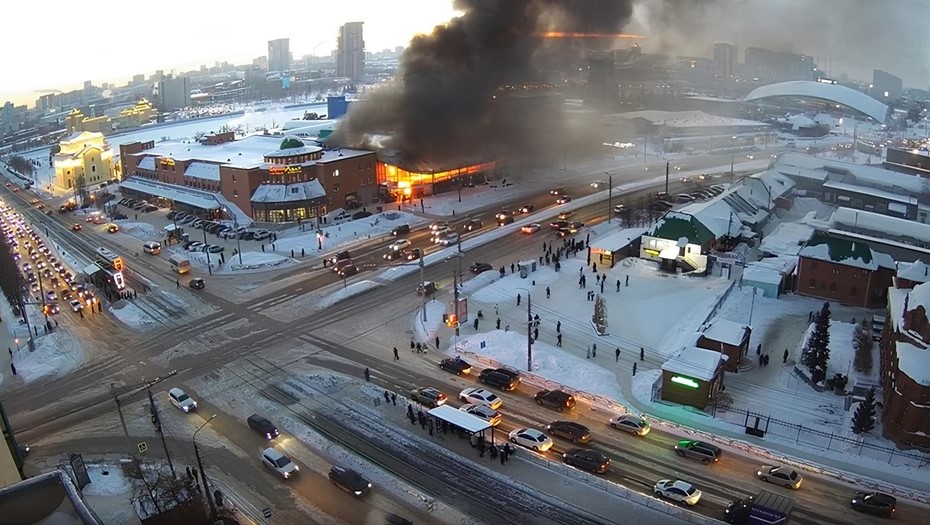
(84, 155)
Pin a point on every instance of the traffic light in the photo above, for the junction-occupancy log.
(452, 320)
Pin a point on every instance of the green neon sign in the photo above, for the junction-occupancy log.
(685, 381)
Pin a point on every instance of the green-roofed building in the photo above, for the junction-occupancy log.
(844, 270)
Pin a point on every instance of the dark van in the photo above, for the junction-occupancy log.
(264, 427)
(400, 230)
(340, 256)
(502, 380)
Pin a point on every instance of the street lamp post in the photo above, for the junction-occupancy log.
(610, 194)
(235, 224)
(422, 283)
(203, 474)
(529, 331)
(209, 265)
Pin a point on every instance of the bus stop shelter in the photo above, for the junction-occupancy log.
(462, 421)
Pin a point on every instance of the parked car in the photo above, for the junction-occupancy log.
(531, 439)
(493, 417)
(500, 378)
(630, 423)
(428, 396)
(264, 427)
(280, 463)
(400, 230)
(480, 396)
(181, 400)
(349, 480)
(587, 459)
(678, 491)
(195, 246)
(780, 475)
(530, 228)
(261, 235)
(875, 503)
(456, 365)
(699, 450)
(478, 267)
(574, 432)
(214, 248)
(361, 215)
(556, 399)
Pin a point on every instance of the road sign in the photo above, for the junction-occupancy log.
(266, 512)
(142, 447)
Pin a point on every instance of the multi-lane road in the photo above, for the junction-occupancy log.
(353, 330)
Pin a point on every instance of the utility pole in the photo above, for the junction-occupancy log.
(455, 308)
(667, 164)
(422, 284)
(529, 334)
(203, 473)
(610, 193)
(122, 420)
(157, 422)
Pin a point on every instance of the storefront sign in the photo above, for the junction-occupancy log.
(283, 170)
(685, 381)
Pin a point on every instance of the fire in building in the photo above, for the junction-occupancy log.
(402, 180)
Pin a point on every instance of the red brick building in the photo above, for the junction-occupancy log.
(845, 271)
(263, 178)
(905, 367)
(727, 337)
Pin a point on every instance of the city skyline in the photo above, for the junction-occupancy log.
(212, 36)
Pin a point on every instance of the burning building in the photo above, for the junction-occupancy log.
(471, 96)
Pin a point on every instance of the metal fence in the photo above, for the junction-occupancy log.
(801, 434)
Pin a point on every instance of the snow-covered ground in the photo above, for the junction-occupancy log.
(131, 315)
(56, 355)
(335, 236)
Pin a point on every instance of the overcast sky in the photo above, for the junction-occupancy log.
(58, 44)
(62, 43)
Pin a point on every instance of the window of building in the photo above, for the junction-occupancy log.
(294, 190)
(836, 271)
(235, 193)
(234, 177)
(93, 168)
(335, 173)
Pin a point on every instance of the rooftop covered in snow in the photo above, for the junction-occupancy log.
(726, 331)
(917, 271)
(695, 362)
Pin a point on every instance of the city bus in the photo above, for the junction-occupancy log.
(180, 264)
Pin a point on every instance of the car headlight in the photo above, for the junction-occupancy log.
(296, 468)
(758, 473)
(268, 435)
(287, 474)
(358, 493)
(186, 408)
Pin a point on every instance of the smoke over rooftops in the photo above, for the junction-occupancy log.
(456, 100)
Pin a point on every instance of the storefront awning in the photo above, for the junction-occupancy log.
(199, 199)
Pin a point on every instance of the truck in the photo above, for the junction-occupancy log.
(765, 508)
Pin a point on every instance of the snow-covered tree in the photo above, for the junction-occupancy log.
(600, 315)
(816, 352)
(863, 344)
(864, 418)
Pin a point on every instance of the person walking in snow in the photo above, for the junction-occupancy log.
(367, 375)
(558, 340)
(476, 323)
(498, 325)
(518, 299)
(627, 280)
(784, 357)
(588, 354)
(558, 327)
(642, 354)
(396, 355)
(547, 293)
(618, 285)
(634, 368)
(387, 397)
(394, 398)
(759, 349)
(594, 350)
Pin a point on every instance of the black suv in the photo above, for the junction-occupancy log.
(400, 230)
(473, 224)
(574, 432)
(479, 267)
(263, 426)
(499, 377)
(556, 399)
(455, 365)
(875, 503)
(349, 480)
(699, 450)
(587, 459)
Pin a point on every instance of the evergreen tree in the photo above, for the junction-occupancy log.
(864, 418)
(816, 352)
(600, 315)
(863, 344)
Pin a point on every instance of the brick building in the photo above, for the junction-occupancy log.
(845, 271)
(905, 367)
(261, 178)
(727, 337)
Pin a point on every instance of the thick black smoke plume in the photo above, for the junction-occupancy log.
(455, 104)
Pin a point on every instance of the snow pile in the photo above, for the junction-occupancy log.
(130, 314)
(140, 230)
(344, 293)
(56, 355)
(786, 239)
(106, 480)
(426, 331)
(304, 237)
(252, 261)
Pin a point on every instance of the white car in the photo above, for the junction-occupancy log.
(598, 184)
(76, 306)
(480, 396)
(279, 463)
(448, 239)
(493, 417)
(181, 400)
(531, 438)
(438, 225)
(630, 423)
(399, 245)
(678, 491)
(439, 231)
(530, 228)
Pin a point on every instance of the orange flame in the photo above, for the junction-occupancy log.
(570, 34)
